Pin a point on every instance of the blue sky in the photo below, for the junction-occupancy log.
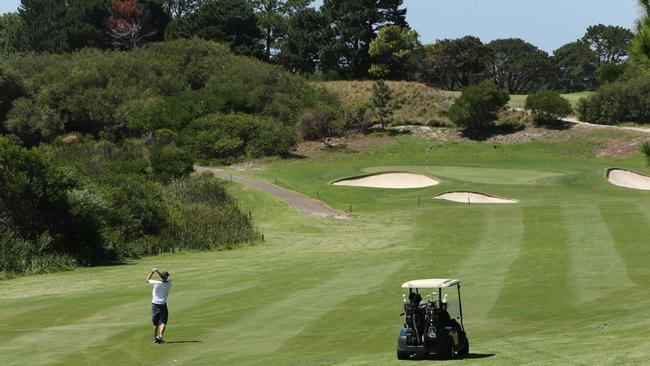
(546, 23)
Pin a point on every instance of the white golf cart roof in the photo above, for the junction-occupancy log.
(430, 283)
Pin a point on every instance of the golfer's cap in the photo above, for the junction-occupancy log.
(165, 274)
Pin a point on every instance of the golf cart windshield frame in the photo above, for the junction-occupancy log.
(428, 284)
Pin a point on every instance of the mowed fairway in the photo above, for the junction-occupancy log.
(562, 277)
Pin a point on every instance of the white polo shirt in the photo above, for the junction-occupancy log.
(160, 291)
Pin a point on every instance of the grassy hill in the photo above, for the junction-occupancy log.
(416, 103)
(546, 281)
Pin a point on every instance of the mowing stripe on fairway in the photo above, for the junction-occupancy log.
(278, 322)
(78, 335)
(485, 270)
(596, 267)
(540, 271)
(629, 228)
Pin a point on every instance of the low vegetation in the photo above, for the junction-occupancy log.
(548, 107)
(626, 100)
(414, 103)
(478, 107)
(80, 201)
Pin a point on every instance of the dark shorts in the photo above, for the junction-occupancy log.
(159, 314)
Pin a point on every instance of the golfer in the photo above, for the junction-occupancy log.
(159, 311)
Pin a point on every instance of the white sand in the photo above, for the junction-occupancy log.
(470, 197)
(628, 179)
(389, 180)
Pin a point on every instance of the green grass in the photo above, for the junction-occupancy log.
(560, 278)
(518, 101)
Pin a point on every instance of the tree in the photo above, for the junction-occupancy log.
(610, 72)
(609, 43)
(575, 64)
(475, 111)
(300, 49)
(44, 24)
(273, 18)
(391, 50)
(135, 22)
(64, 26)
(548, 106)
(230, 21)
(518, 66)
(85, 24)
(354, 25)
(12, 33)
(456, 63)
(640, 47)
(380, 102)
(180, 8)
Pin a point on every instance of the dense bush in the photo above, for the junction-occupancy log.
(548, 106)
(626, 100)
(46, 210)
(119, 95)
(169, 162)
(475, 111)
(79, 201)
(320, 125)
(230, 137)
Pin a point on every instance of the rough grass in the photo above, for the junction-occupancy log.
(518, 101)
(416, 103)
(546, 281)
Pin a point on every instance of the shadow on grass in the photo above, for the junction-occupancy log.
(343, 148)
(558, 125)
(503, 129)
(181, 342)
(471, 356)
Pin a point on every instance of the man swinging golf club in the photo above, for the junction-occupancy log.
(159, 311)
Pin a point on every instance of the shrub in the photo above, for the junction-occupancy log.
(136, 207)
(626, 100)
(645, 150)
(475, 111)
(320, 125)
(40, 201)
(169, 162)
(231, 137)
(548, 106)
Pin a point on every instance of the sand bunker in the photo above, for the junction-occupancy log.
(628, 179)
(471, 197)
(393, 180)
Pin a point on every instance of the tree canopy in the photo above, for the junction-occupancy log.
(518, 66)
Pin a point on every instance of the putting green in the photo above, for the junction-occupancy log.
(474, 174)
(545, 281)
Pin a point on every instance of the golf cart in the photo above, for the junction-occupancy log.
(428, 326)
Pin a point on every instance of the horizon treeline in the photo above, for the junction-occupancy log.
(342, 39)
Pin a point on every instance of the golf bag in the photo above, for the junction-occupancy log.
(415, 320)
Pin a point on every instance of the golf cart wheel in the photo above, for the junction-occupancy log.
(450, 353)
(403, 355)
(465, 350)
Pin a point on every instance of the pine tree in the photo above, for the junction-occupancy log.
(380, 102)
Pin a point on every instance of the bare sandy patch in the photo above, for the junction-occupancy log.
(628, 179)
(471, 197)
(392, 180)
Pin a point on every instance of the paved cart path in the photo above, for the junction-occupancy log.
(297, 200)
(577, 122)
